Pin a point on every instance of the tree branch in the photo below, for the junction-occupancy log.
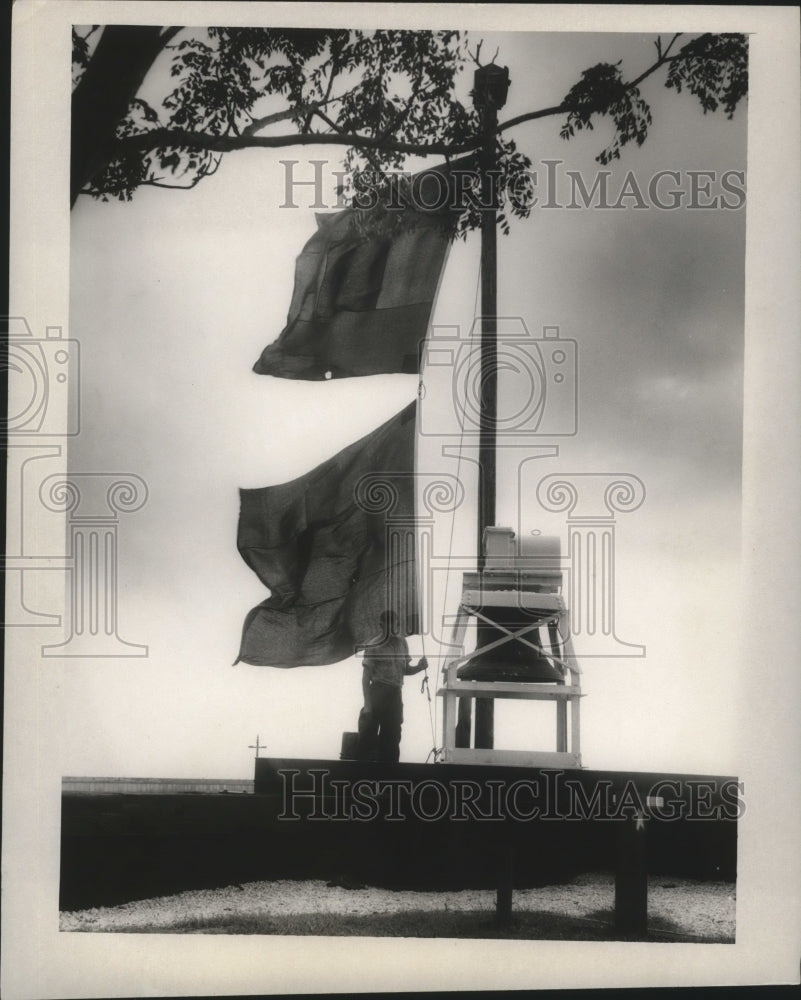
(247, 140)
(278, 116)
(122, 58)
(403, 113)
(530, 116)
(672, 41)
(229, 143)
(308, 110)
(329, 121)
(169, 34)
(331, 77)
(153, 182)
(662, 60)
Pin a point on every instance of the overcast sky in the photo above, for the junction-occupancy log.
(173, 297)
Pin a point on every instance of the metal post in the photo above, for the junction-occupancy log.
(631, 877)
(490, 86)
(489, 95)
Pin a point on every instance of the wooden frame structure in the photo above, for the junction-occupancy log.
(534, 593)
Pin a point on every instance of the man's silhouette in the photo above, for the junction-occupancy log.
(386, 663)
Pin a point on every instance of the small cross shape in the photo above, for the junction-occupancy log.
(257, 746)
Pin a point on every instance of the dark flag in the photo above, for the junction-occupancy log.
(336, 548)
(362, 302)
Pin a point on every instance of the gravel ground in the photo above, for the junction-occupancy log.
(689, 908)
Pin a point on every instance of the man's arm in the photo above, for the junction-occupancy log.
(410, 671)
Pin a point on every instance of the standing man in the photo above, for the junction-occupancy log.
(386, 663)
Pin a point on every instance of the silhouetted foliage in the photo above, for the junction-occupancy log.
(380, 96)
(714, 68)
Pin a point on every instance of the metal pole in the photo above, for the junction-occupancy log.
(487, 104)
(489, 95)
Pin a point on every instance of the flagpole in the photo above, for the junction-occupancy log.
(487, 101)
(490, 87)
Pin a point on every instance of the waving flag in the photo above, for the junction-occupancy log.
(362, 303)
(324, 546)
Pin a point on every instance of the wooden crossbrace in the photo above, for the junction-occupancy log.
(453, 693)
(509, 635)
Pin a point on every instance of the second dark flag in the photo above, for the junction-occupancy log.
(336, 548)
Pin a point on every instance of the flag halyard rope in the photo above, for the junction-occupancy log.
(437, 751)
